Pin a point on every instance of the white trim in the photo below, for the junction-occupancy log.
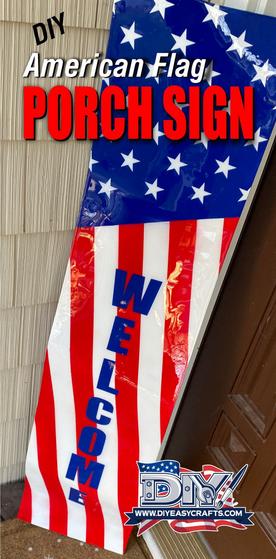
(201, 536)
(152, 545)
(262, 5)
(237, 4)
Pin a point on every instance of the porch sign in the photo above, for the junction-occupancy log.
(156, 222)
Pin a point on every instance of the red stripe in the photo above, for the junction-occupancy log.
(230, 524)
(201, 528)
(211, 468)
(130, 258)
(81, 348)
(178, 297)
(229, 227)
(25, 509)
(47, 452)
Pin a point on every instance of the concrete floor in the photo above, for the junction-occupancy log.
(20, 540)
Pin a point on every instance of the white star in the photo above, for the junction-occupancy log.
(106, 80)
(130, 35)
(239, 44)
(129, 160)
(228, 108)
(161, 6)
(200, 193)
(149, 75)
(181, 42)
(262, 72)
(92, 162)
(107, 188)
(176, 164)
(114, 5)
(258, 139)
(224, 166)
(203, 140)
(214, 14)
(209, 73)
(244, 196)
(153, 189)
(156, 134)
(181, 105)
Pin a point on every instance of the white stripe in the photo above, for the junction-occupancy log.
(106, 262)
(40, 496)
(205, 273)
(65, 417)
(189, 524)
(156, 242)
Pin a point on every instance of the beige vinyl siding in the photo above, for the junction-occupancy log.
(41, 188)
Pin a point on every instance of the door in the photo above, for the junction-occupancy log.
(227, 416)
(246, 433)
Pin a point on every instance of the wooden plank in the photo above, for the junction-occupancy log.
(77, 13)
(12, 180)
(6, 271)
(9, 338)
(15, 393)
(40, 266)
(35, 323)
(55, 178)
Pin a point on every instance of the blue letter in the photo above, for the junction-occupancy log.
(95, 409)
(91, 437)
(76, 496)
(77, 465)
(123, 293)
(105, 376)
(118, 333)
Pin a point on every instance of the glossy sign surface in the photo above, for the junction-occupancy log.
(156, 222)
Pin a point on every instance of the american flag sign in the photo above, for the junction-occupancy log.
(156, 221)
